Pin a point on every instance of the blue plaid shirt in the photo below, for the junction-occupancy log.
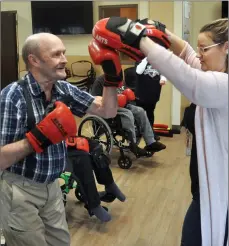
(48, 165)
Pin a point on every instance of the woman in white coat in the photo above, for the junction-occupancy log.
(203, 78)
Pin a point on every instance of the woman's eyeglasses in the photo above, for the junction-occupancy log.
(202, 50)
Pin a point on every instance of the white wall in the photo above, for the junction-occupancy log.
(24, 19)
(202, 13)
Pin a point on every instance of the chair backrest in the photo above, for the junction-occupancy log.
(130, 77)
(81, 68)
(84, 69)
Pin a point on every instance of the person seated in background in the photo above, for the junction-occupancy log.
(86, 156)
(150, 78)
(129, 113)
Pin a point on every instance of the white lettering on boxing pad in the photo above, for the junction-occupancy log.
(101, 39)
(149, 31)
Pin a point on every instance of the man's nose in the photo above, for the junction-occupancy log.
(64, 59)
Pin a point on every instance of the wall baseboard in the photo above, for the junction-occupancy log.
(176, 129)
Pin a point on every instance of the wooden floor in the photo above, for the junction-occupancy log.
(158, 195)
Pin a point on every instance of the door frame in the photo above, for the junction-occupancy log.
(17, 38)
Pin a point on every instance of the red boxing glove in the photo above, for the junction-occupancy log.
(110, 62)
(129, 94)
(106, 34)
(54, 128)
(80, 143)
(122, 100)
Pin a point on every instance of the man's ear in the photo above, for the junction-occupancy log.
(33, 60)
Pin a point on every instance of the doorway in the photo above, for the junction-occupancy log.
(9, 48)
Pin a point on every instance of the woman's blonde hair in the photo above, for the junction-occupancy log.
(219, 31)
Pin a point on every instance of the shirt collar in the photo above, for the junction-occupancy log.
(35, 87)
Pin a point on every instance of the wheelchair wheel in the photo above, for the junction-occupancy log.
(124, 162)
(78, 194)
(94, 127)
(2, 238)
(64, 195)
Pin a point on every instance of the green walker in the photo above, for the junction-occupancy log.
(69, 184)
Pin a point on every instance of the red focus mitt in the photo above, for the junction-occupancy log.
(160, 36)
(124, 35)
(109, 36)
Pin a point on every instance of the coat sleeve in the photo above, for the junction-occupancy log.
(206, 89)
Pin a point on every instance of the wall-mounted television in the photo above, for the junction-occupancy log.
(225, 9)
(62, 18)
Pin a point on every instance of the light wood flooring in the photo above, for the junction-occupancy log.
(158, 195)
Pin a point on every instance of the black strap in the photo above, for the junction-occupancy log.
(30, 159)
(43, 140)
(31, 122)
(30, 114)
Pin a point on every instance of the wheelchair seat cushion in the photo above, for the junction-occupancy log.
(73, 153)
(99, 157)
(96, 152)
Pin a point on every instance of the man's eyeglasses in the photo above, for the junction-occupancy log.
(202, 50)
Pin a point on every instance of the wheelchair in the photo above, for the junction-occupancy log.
(110, 133)
(71, 181)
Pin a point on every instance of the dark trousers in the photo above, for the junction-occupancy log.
(149, 108)
(83, 168)
(191, 232)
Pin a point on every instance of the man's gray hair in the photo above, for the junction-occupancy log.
(31, 46)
